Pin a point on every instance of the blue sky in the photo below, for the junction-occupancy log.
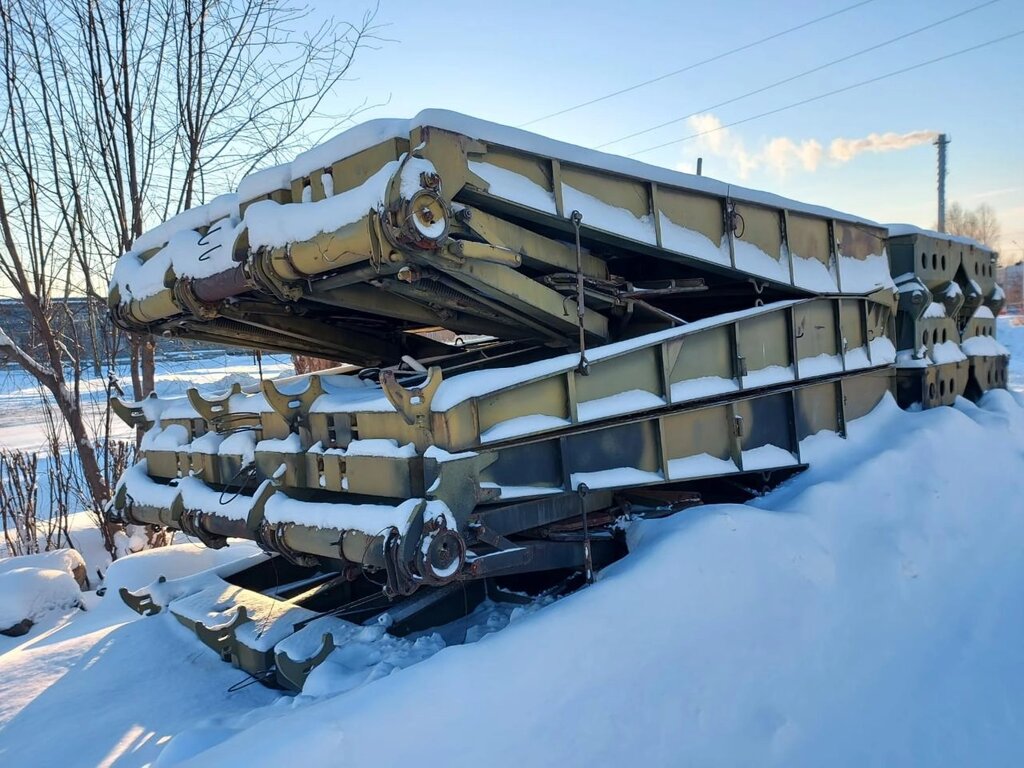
(512, 62)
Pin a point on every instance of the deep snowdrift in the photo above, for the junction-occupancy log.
(868, 612)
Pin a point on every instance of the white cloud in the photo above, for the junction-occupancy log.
(783, 154)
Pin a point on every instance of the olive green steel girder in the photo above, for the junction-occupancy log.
(370, 463)
(787, 341)
(756, 433)
(452, 243)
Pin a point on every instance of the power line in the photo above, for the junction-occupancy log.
(696, 64)
(832, 92)
(818, 68)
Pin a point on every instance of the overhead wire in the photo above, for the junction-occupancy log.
(696, 64)
(805, 73)
(833, 92)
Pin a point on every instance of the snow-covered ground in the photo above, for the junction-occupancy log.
(21, 412)
(867, 612)
(1010, 333)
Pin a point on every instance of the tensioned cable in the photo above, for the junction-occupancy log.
(790, 79)
(832, 92)
(696, 64)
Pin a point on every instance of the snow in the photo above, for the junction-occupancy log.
(66, 560)
(752, 259)
(290, 444)
(947, 352)
(861, 614)
(365, 654)
(623, 402)
(933, 310)
(600, 215)
(144, 490)
(140, 569)
(519, 491)
(912, 358)
(856, 358)
(819, 365)
(701, 465)
(983, 313)
(265, 181)
(371, 519)
(1010, 331)
(274, 225)
(983, 346)
(770, 374)
(168, 438)
(242, 444)
(30, 593)
(812, 274)
(865, 275)
(701, 387)
(231, 504)
(191, 219)
(900, 230)
(515, 187)
(619, 476)
(838, 621)
(187, 252)
(380, 447)
(522, 425)
(882, 350)
(767, 457)
(695, 244)
(440, 455)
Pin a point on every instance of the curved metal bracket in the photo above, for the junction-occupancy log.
(413, 403)
(294, 673)
(213, 408)
(130, 412)
(291, 407)
(141, 602)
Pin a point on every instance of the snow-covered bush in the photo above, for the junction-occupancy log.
(28, 594)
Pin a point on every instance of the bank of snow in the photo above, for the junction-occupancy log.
(867, 613)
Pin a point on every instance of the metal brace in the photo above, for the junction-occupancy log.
(584, 364)
(400, 580)
(588, 561)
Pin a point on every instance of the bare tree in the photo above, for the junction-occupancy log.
(981, 224)
(115, 114)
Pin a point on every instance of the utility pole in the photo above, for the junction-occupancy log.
(941, 143)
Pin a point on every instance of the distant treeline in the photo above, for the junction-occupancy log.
(84, 324)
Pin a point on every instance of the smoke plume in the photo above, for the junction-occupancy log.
(782, 154)
(844, 150)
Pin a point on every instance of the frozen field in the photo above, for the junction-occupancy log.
(21, 414)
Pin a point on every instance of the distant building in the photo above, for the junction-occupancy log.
(1012, 280)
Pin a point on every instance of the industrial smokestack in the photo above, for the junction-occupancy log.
(941, 143)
